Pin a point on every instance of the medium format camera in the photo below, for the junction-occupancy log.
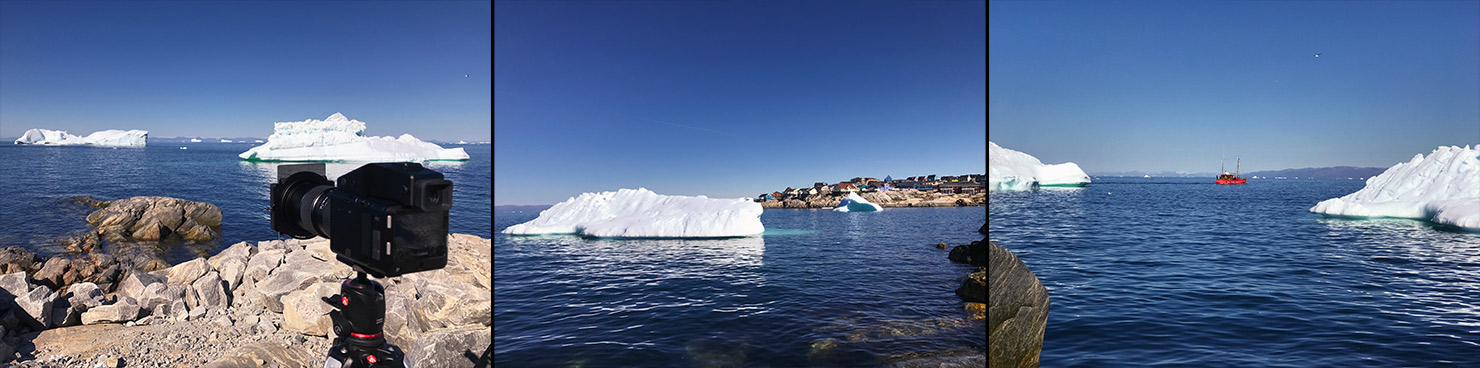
(386, 219)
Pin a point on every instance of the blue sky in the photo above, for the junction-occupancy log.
(231, 69)
(731, 99)
(1173, 85)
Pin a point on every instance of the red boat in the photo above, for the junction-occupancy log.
(1231, 179)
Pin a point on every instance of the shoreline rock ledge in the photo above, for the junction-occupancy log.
(250, 305)
(1017, 311)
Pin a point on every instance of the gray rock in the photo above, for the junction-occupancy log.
(84, 296)
(17, 259)
(13, 285)
(266, 327)
(449, 347)
(241, 250)
(157, 294)
(402, 319)
(305, 312)
(1017, 312)
(208, 291)
(450, 302)
(186, 273)
(178, 311)
(123, 311)
(134, 283)
(37, 304)
(263, 263)
(231, 271)
(63, 314)
(154, 218)
(224, 321)
(287, 279)
(196, 314)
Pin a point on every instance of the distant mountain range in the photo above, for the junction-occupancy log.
(1335, 172)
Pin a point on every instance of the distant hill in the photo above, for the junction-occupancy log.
(1335, 172)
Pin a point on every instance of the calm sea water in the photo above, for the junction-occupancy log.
(820, 288)
(1182, 272)
(38, 179)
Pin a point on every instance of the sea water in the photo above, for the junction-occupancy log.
(1183, 272)
(818, 288)
(38, 180)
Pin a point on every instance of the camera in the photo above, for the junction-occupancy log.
(387, 219)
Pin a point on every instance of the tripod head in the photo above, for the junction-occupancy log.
(358, 318)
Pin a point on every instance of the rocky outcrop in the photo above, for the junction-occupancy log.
(1017, 311)
(17, 259)
(974, 254)
(156, 218)
(273, 288)
(890, 198)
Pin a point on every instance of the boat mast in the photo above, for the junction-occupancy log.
(1236, 166)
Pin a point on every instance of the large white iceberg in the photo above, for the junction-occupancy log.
(1443, 188)
(854, 203)
(640, 213)
(111, 137)
(340, 139)
(1009, 170)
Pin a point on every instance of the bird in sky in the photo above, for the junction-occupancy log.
(465, 75)
(1318, 55)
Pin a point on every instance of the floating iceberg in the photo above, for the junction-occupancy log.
(111, 137)
(223, 140)
(1443, 188)
(193, 140)
(640, 213)
(1009, 170)
(340, 139)
(854, 203)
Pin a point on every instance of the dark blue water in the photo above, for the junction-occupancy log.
(37, 180)
(1181, 272)
(820, 288)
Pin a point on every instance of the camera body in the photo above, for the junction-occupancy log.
(387, 219)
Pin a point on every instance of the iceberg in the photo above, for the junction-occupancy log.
(1443, 188)
(854, 203)
(223, 140)
(1010, 170)
(640, 213)
(111, 137)
(340, 139)
(194, 140)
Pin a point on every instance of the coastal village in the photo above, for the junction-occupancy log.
(914, 191)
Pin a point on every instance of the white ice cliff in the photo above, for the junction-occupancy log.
(111, 137)
(854, 203)
(340, 139)
(640, 213)
(1009, 170)
(1443, 188)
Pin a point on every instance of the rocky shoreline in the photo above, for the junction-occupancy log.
(888, 198)
(250, 305)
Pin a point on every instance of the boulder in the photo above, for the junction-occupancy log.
(209, 291)
(135, 282)
(974, 254)
(156, 218)
(63, 313)
(241, 250)
(450, 347)
(122, 311)
(263, 263)
(13, 285)
(231, 272)
(1017, 311)
(448, 302)
(186, 273)
(158, 294)
(983, 230)
(85, 243)
(402, 320)
(974, 288)
(282, 281)
(17, 259)
(305, 312)
(178, 311)
(84, 296)
(37, 306)
(145, 256)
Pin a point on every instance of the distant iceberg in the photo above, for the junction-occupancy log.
(223, 140)
(640, 213)
(1009, 170)
(854, 203)
(1443, 188)
(111, 137)
(340, 139)
(195, 140)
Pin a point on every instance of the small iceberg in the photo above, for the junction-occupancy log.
(182, 148)
(194, 140)
(1443, 188)
(854, 203)
(257, 141)
(111, 137)
(340, 139)
(640, 213)
(223, 140)
(462, 142)
(1010, 170)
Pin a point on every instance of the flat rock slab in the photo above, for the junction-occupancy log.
(1017, 310)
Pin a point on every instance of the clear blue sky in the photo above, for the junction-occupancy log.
(732, 99)
(1172, 85)
(231, 69)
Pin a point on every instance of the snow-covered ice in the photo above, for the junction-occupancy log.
(1443, 188)
(340, 139)
(111, 137)
(223, 140)
(1009, 170)
(640, 213)
(194, 140)
(854, 203)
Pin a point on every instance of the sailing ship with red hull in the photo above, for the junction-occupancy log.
(1231, 179)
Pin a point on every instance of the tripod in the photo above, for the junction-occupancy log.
(358, 317)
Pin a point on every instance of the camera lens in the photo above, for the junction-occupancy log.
(300, 205)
